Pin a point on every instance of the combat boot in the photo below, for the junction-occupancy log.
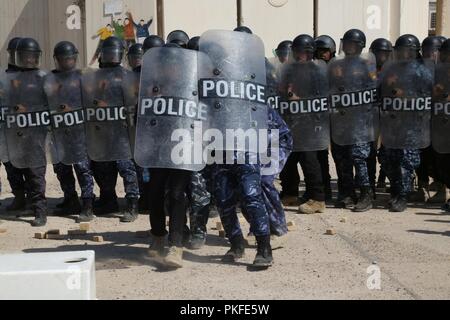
(72, 207)
(40, 219)
(440, 196)
(263, 257)
(399, 205)
(237, 250)
(132, 212)
(87, 213)
(174, 258)
(446, 207)
(365, 202)
(289, 201)
(104, 207)
(157, 247)
(19, 202)
(312, 207)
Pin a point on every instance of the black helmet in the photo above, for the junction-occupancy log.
(325, 42)
(355, 35)
(243, 29)
(193, 44)
(112, 51)
(445, 46)
(304, 42)
(136, 49)
(28, 54)
(179, 37)
(381, 44)
(431, 43)
(65, 48)
(408, 41)
(442, 39)
(12, 46)
(284, 47)
(135, 54)
(172, 45)
(152, 42)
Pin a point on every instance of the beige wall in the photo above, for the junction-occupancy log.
(276, 24)
(95, 18)
(443, 18)
(197, 16)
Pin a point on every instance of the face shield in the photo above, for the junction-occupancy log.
(302, 55)
(405, 54)
(282, 55)
(382, 56)
(431, 54)
(350, 48)
(111, 55)
(12, 57)
(324, 54)
(66, 63)
(135, 60)
(28, 59)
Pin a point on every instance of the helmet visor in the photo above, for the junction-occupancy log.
(28, 59)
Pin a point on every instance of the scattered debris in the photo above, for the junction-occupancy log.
(40, 235)
(54, 232)
(53, 236)
(3, 231)
(343, 220)
(331, 232)
(97, 239)
(85, 226)
(77, 232)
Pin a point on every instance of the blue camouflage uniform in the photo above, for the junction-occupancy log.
(65, 176)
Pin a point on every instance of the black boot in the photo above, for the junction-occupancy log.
(365, 202)
(237, 250)
(264, 257)
(399, 205)
(63, 204)
(132, 212)
(87, 213)
(19, 202)
(40, 219)
(103, 207)
(72, 207)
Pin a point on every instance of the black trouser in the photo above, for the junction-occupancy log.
(325, 169)
(16, 179)
(427, 166)
(372, 164)
(105, 174)
(34, 181)
(290, 178)
(311, 168)
(443, 168)
(176, 182)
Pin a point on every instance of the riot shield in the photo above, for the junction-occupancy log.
(130, 87)
(406, 93)
(106, 120)
(304, 105)
(170, 118)
(353, 99)
(28, 124)
(234, 89)
(4, 103)
(440, 123)
(272, 85)
(63, 92)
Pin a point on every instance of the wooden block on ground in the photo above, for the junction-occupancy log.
(343, 220)
(77, 232)
(40, 235)
(292, 228)
(55, 236)
(291, 224)
(85, 226)
(331, 232)
(143, 234)
(222, 234)
(54, 232)
(219, 226)
(98, 239)
(3, 230)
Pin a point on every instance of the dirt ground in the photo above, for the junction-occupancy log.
(411, 250)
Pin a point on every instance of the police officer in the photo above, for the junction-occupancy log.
(283, 50)
(15, 176)
(382, 49)
(193, 43)
(105, 172)
(65, 55)
(352, 141)
(404, 132)
(29, 86)
(178, 37)
(153, 41)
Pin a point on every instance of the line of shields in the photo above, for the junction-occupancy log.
(177, 113)
(407, 106)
